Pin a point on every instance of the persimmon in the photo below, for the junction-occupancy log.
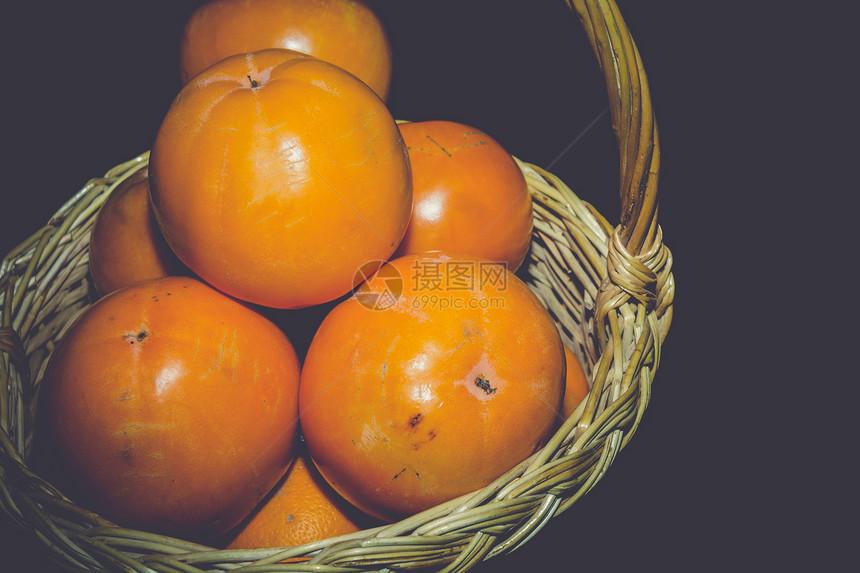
(302, 508)
(346, 33)
(126, 245)
(469, 194)
(173, 407)
(275, 175)
(576, 383)
(416, 391)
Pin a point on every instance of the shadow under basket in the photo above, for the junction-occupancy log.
(610, 290)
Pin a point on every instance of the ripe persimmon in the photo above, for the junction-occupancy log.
(470, 196)
(126, 245)
(275, 175)
(173, 406)
(576, 383)
(302, 508)
(441, 373)
(346, 33)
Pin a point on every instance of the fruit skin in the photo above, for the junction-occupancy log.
(174, 407)
(126, 245)
(346, 33)
(274, 176)
(406, 407)
(302, 508)
(469, 194)
(576, 383)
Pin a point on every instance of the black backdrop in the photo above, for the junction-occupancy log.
(88, 82)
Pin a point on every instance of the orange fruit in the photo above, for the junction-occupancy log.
(301, 509)
(126, 245)
(275, 176)
(346, 33)
(576, 383)
(174, 407)
(469, 194)
(417, 390)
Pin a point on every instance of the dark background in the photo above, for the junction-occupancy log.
(726, 469)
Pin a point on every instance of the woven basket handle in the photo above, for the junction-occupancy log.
(632, 120)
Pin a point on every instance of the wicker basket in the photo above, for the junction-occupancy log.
(609, 288)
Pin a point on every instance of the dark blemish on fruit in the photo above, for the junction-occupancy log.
(484, 385)
(417, 445)
(397, 475)
(415, 420)
(136, 337)
(124, 453)
(437, 144)
(448, 151)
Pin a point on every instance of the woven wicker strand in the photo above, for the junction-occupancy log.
(610, 290)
